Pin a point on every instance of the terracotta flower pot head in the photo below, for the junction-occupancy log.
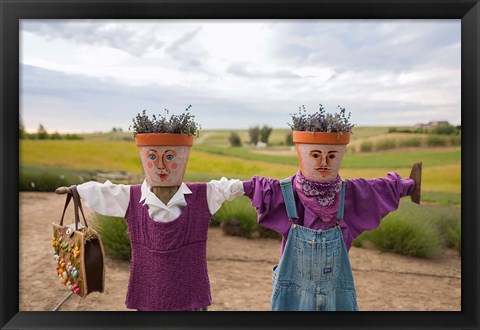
(320, 153)
(164, 157)
(164, 145)
(321, 140)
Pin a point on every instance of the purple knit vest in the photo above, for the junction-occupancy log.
(168, 268)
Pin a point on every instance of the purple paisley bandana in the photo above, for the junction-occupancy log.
(320, 197)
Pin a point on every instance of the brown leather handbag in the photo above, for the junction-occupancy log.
(78, 252)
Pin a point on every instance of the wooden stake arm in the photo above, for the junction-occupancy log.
(416, 175)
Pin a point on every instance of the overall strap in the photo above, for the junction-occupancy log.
(342, 202)
(289, 199)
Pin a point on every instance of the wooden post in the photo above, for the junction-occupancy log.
(165, 193)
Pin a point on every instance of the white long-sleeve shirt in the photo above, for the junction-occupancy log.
(112, 199)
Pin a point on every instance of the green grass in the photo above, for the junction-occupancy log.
(410, 142)
(385, 144)
(403, 158)
(441, 197)
(109, 156)
(366, 146)
(393, 159)
(436, 140)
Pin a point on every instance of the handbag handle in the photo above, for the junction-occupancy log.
(77, 205)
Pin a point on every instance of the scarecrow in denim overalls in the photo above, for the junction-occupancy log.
(319, 215)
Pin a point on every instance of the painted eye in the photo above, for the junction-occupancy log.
(169, 157)
(315, 155)
(331, 156)
(152, 156)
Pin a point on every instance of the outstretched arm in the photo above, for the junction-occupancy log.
(221, 190)
(107, 198)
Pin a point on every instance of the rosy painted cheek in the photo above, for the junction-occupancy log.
(174, 165)
(149, 165)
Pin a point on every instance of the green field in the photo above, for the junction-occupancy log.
(212, 157)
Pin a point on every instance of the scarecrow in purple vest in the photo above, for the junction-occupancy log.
(167, 219)
(319, 214)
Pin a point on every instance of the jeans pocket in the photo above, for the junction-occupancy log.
(328, 260)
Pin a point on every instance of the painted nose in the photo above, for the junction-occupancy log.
(161, 165)
(323, 161)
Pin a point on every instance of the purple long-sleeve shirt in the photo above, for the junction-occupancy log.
(367, 201)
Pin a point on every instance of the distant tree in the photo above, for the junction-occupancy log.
(73, 137)
(265, 133)
(21, 130)
(55, 136)
(234, 139)
(42, 133)
(254, 133)
(444, 129)
(289, 139)
(114, 129)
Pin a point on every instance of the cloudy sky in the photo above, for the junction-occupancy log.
(92, 75)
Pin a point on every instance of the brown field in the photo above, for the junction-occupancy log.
(239, 270)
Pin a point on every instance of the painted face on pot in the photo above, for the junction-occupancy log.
(164, 166)
(320, 162)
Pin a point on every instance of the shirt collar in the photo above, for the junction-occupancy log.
(149, 198)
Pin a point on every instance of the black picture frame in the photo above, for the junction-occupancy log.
(12, 11)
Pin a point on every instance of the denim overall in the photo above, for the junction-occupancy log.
(314, 272)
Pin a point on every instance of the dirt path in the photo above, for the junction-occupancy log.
(239, 270)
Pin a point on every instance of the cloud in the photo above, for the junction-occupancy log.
(368, 44)
(239, 75)
(135, 37)
(78, 103)
(242, 70)
(189, 56)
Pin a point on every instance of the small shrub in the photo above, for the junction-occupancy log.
(289, 139)
(442, 197)
(366, 146)
(114, 234)
(234, 139)
(237, 217)
(455, 140)
(448, 222)
(410, 142)
(385, 144)
(406, 235)
(435, 140)
(451, 231)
